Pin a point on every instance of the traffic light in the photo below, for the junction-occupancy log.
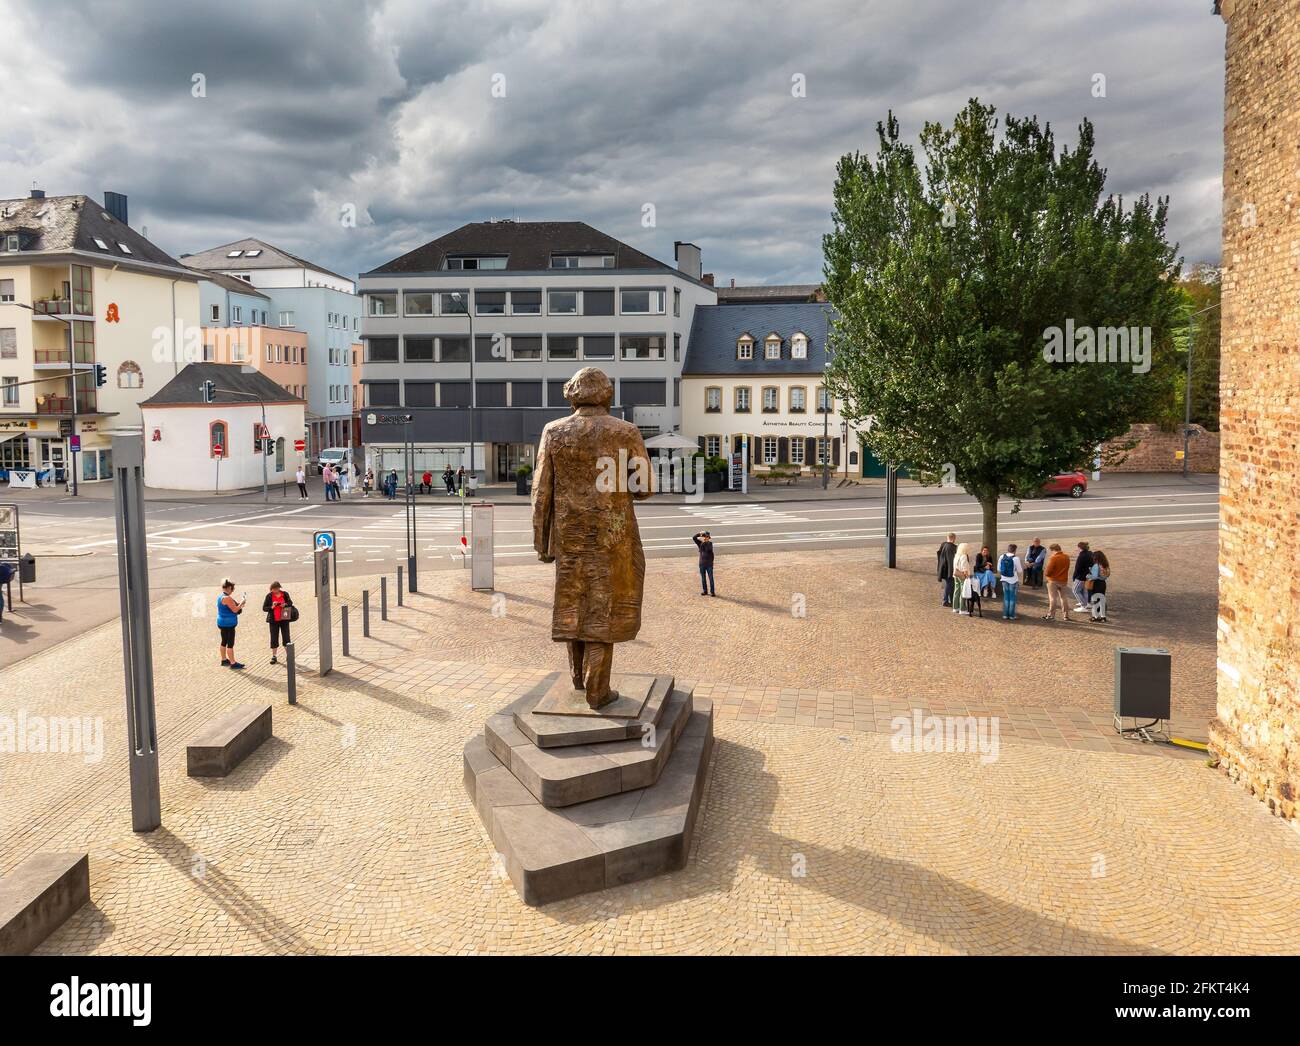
(209, 391)
(101, 375)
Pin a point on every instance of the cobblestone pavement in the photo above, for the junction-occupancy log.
(350, 831)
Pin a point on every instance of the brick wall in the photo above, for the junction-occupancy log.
(1156, 450)
(1256, 734)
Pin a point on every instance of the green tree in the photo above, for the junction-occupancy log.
(946, 279)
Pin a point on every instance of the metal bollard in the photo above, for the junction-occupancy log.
(365, 612)
(344, 627)
(399, 586)
(383, 598)
(293, 673)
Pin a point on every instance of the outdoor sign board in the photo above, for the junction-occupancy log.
(480, 574)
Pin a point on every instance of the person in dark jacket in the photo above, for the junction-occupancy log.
(6, 576)
(947, 552)
(1078, 579)
(1035, 560)
(276, 607)
(449, 481)
(704, 542)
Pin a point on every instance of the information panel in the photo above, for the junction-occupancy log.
(480, 524)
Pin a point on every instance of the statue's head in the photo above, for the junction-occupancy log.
(589, 388)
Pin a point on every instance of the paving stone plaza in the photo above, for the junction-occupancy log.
(351, 831)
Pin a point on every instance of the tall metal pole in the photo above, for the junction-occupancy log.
(410, 511)
(72, 380)
(891, 516)
(826, 439)
(324, 633)
(266, 442)
(137, 647)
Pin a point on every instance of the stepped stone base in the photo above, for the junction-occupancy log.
(576, 818)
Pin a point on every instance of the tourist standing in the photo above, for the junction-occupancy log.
(1010, 572)
(449, 481)
(1097, 577)
(344, 475)
(944, 557)
(961, 574)
(1082, 568)
(704, 542)
(1057, 575)
(278, 607)
(300, 477)
(228, 611)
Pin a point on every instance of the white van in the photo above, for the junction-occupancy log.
(335, 457)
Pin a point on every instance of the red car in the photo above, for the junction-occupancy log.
(1072, 483)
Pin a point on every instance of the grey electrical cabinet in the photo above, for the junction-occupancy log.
(1142, 683)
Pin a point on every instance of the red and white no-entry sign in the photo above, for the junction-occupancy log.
(300, 444)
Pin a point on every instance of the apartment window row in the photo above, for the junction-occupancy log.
(780, 450)
(631, 301)
(652, 392)
(279, 353)
(769, 399)
(340, 322)
(340, 393)
(772, 347)
(496, 348)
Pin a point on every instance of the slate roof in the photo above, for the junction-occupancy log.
(528, 247)
(772, 293)
(271, 257)
(183, 389)
(716, 329)
(59, 224)
(230, 283)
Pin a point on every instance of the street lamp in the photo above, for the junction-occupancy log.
(473, 389)
(844, 444)
(408, 457)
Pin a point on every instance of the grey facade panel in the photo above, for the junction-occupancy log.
(451, 425)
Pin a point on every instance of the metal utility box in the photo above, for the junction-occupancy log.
(1142, 684)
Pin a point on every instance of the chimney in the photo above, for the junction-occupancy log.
(115, 204)
(687, 256)
(707, 279)
(37, 194)
(733, 281)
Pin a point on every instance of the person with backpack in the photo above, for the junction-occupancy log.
(280, 611)
(1096, 585)
(1010, 573)
(228, 611)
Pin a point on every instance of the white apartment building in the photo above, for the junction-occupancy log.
(475, 333)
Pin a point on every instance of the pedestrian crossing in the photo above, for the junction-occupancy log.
(739, 515)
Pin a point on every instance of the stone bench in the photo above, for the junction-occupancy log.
(37, 897)
(227, 740)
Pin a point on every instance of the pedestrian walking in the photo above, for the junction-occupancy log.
(1035, 559)
(280, 612)
(704, 542)
(1010, 573)
(228, 611)
(449, 481)
(944, 557)
(368, 483)
(961, 580)
(344, 476)
(300, 477)
(1078, 582)
(392, 485)
(1057, 575)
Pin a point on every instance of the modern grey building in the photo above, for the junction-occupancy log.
(475, 333)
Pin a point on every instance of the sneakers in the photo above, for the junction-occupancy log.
(236, 664)
(225, 661)
(274, 660)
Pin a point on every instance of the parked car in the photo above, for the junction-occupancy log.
(1072, 483)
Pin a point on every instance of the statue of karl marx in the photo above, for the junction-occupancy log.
(583, 521)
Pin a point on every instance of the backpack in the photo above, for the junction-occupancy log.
(1007, 565)
(6, 573)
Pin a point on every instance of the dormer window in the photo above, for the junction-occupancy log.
(12, 243)
(100, 244)
(744, 347)
(478, 262)
(772, 347)
(798, 346)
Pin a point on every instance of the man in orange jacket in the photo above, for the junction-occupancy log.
(1057, 575)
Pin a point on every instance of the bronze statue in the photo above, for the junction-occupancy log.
(590, 466)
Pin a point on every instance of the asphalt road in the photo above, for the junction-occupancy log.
(193, 545)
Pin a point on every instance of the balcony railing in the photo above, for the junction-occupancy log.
(53, 307)
(63, 404)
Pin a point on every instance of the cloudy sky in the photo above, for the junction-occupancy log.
(424, 115)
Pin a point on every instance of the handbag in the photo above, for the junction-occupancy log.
(967, 588)
(289, 613)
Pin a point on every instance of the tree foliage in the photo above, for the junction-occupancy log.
(945, 277)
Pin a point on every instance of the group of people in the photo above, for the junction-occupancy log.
(278, 608)
(339, 481)
(968, 579)
(453, 482)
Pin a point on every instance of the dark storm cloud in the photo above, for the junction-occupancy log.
(390, 107)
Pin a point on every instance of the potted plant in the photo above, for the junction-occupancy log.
(524, 480)
(715, 474)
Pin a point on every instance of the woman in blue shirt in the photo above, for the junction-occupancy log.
(228, 611)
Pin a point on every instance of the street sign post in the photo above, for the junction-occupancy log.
(326, 542)
(324, 636)
(480, 572)
(300, 445)
(137, 644)
(74, 444)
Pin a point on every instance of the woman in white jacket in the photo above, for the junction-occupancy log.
(961, 572)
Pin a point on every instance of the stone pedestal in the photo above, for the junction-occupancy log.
(577, 801)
